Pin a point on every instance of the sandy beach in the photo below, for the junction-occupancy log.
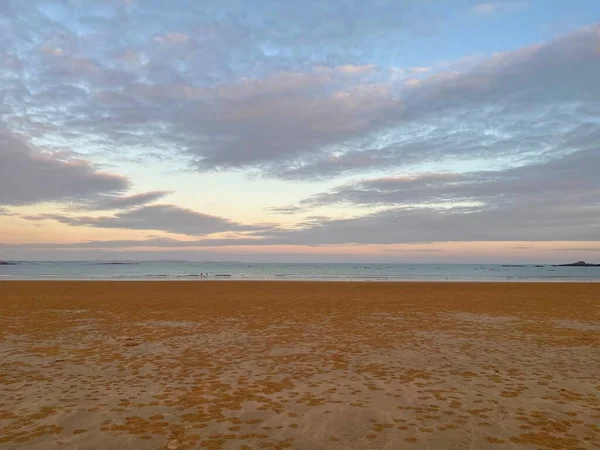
(309, 365)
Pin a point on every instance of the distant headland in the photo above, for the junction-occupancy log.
(577, 264)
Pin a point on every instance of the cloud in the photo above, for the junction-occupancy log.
(425, 225)
(553, 201)
(577, 249)
(224, 38)
(531, 103)
(419, 69)
(496, 147)
(30, 176)
(570, 181)
(412, 250)
(173, 38)
(499, 7)
(285, 209)
(524, 105)
(124, 202)
(351, 70)
(121, 244)
(404, 226)
(289, 91)
(554, 72)
(256, 122)
(169, 218)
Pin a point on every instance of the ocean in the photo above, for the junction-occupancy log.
(199, 271)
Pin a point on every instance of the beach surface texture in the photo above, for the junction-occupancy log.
(299, 365)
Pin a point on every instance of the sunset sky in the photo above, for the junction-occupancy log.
(314, 130)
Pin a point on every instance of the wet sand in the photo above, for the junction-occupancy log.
(309, 365)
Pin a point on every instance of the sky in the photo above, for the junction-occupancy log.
(321, 130)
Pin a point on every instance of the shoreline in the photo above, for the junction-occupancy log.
(224, 279)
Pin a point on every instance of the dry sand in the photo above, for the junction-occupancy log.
(253, 365)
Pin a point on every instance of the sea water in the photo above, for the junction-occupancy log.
(199, 271)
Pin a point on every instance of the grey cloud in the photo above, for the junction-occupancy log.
(563, 70)
(279, 128)
(285, 209)
(497, 136)
(289, 120)
(250, 123)
(527, 103)
(402, 226)
(569, 181)
(424, 225)
(130, 243)
(169, 218)
(535, 108)
(29, 176)
(253, 37)
(109, 244)
(531, 103)
(553, 201)
(124, 202)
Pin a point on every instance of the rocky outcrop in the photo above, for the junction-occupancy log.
(577, 264)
